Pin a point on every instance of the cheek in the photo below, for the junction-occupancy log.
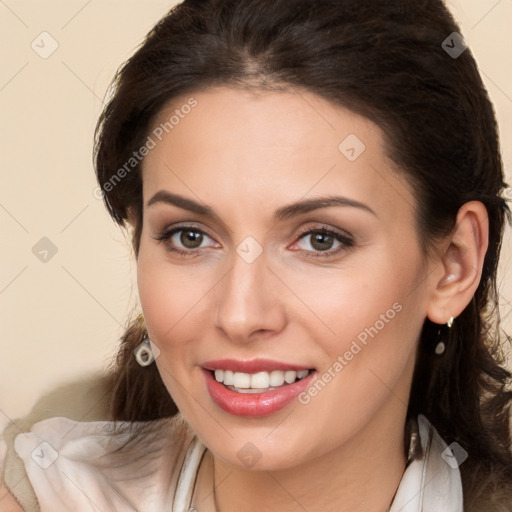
(368, 320)
(368, 360)
(363, 300)
(170, 294)
(170, 298)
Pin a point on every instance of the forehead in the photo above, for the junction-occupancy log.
(239, 145)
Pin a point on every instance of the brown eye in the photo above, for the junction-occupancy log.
(191, 239)
(185, 240)
(324, 242)
(321, 241)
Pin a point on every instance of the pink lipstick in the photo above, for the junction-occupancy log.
(255, 388)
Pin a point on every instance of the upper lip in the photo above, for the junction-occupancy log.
(252, 366)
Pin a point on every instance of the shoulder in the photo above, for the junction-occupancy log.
(71, 465)
(14, 482)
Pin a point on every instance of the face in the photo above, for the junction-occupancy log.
(278, 243)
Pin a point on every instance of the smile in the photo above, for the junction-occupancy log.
(258, 382)
(255, 388)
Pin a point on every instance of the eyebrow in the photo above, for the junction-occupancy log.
(281, 214)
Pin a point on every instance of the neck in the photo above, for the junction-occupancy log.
(361, 475)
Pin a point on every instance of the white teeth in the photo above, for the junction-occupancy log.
(241, 380)
(228, 377)
(260, 380)
(277, 378)
(290, 376)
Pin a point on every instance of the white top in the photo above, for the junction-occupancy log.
(74, 466)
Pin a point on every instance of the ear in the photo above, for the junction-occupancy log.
(460, 263)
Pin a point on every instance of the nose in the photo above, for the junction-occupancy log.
(249, 306)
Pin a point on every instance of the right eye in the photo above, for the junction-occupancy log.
(184, 240)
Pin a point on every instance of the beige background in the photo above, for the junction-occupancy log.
(61, 319)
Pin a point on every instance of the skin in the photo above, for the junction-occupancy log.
(9, 504)
(246, 154)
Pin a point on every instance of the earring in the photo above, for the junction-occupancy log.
(144, 353)
(441, 347)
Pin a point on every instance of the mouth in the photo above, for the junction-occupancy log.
(255, 388)
(260, 382)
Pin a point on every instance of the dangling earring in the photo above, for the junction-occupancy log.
(441, 347)
(144, 351)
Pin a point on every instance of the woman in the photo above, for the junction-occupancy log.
(314, 192)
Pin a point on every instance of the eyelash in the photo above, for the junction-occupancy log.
(345, 240)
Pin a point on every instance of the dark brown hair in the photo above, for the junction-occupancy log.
(384, 60)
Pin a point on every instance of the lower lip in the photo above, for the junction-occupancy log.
(255, 404)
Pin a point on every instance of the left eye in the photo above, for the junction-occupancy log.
(324, 241)
(319, 241)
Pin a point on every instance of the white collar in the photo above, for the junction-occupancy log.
(429, 483)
